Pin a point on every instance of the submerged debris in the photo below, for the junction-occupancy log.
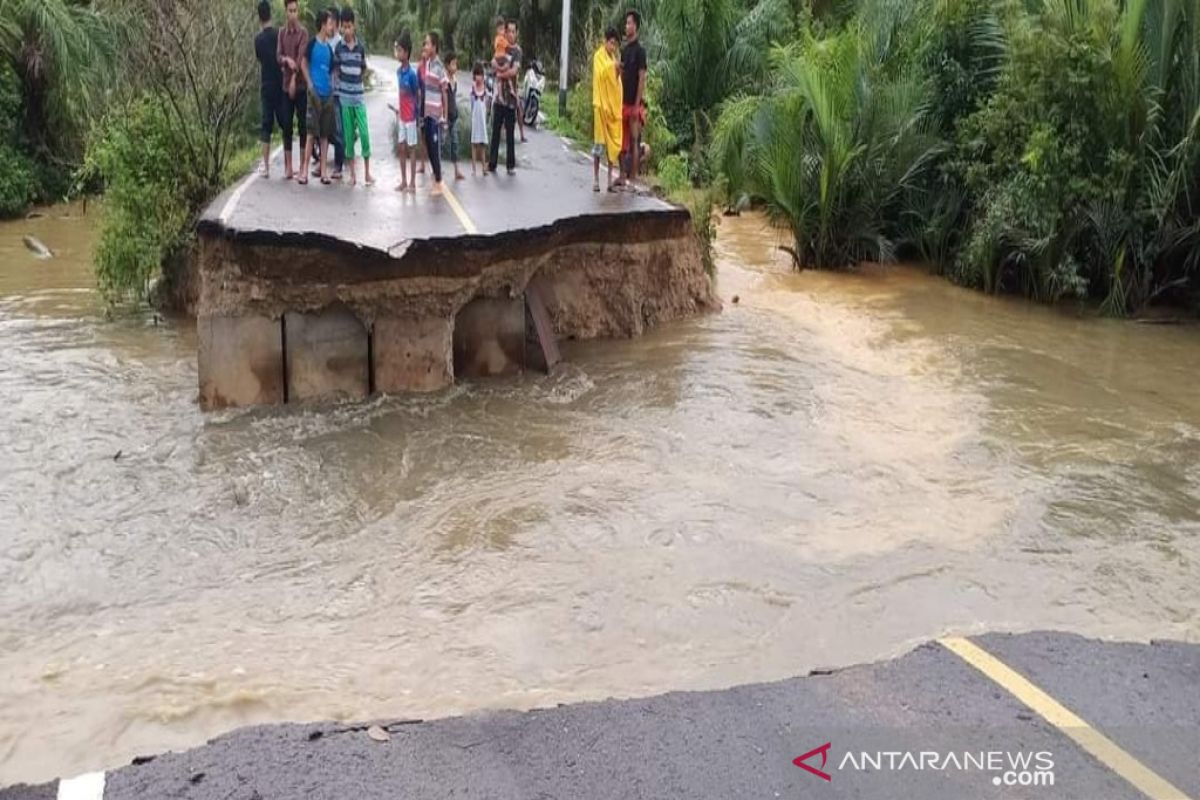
(35, 246)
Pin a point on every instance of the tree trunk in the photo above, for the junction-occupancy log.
(535, 23)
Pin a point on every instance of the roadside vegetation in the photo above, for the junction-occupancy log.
(1044, 147)
(55, 57)
(125, 97)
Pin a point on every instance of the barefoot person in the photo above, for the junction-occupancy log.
(481, 101)
(293, 43)
(436, 102)
(406, 114)
(633, 78)
(266, 49)
(606, 107)
(317, 67)
(350, 61)
(336, 139)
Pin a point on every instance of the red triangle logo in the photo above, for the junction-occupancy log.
(824, 751)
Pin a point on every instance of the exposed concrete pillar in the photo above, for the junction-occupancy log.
(241, 361)
(413, 355)
(489, 337)
(326, 355)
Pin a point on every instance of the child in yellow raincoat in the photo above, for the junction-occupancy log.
(606, 106)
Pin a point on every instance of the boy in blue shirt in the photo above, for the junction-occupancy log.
(318, 72)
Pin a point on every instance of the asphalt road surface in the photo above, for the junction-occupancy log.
(1038, 715)
(553, 182)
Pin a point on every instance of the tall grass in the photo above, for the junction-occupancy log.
(1050, 147)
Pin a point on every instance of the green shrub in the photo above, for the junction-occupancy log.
(704, 221)
(10, 103)
(832, 147)
(579, 106)
(18, 181)
(1081, 169)
(26, 178)
(674, 172)
(149, 196)
(657, 134)
(18, 178)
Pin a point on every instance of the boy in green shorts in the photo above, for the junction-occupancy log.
(350, 61)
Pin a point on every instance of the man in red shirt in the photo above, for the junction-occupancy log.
(293, 40)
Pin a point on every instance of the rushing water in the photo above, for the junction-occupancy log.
(827, 472)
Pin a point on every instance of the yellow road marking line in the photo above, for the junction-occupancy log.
(1101, 747)
(458, 210)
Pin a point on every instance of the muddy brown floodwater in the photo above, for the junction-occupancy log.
(827, 472)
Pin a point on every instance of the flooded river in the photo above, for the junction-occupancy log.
(827, 472)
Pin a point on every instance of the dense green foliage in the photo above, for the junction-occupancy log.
(62, 54)
(150, 195)
(833, 146)
(168, 146)
(54, 56)
(18, 183)
(1049, 147)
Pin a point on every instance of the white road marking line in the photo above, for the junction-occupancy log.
(85, 787)
(236, 197)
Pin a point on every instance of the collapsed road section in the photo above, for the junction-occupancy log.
(336, 292)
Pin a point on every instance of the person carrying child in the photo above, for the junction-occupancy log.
(515, 56)
(504, 108)
(500, 60)
(406, 114)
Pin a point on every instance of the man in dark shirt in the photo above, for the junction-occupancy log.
(504, 109)
(633, 110)
(517, 55)
(293, 42)
(266, 45)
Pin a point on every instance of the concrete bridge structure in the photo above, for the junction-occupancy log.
(331, 292)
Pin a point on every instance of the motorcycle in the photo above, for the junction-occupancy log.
(535, 84)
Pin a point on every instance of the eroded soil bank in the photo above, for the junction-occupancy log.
(598, 276)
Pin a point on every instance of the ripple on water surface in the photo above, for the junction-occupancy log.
(829, 470)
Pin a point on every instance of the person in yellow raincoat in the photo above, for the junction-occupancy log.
(606, 106)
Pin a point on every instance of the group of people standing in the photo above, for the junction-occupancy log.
(313, 84)
(619, 104)
(428, 106)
